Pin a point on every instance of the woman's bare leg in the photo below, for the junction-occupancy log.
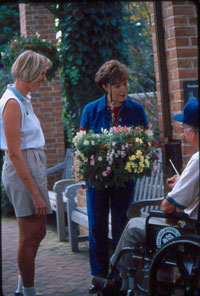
(32, 230)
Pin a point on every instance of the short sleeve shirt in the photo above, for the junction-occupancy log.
(185, 194)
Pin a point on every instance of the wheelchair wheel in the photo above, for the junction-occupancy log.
(175, 268)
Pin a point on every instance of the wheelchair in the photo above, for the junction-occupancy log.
(168, 264)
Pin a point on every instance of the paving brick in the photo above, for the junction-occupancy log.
(59, 272)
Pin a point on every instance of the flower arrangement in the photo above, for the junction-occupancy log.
(114, 157)
(19, 44)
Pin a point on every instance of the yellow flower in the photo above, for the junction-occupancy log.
(127, 167)
(147, 163)
(138, 153)
(138, 140)
(141, 158)
(86, 142)
(132, 157)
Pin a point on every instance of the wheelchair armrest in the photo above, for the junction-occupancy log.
(135, 209)
(175, 215)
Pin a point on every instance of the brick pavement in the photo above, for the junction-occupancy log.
(59, 272)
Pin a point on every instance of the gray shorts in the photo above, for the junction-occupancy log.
(17, 192)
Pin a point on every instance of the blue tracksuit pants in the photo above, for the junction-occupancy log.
(98, 204)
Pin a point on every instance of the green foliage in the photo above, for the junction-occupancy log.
(9, 27)
(139, 44)
(5, 79)
(9, 23)
(140, 59)
(6, 207)
(19, 44)
(91, 34)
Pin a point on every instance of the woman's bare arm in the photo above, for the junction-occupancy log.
(12, 124)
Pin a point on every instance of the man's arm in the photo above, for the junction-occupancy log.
(167, 206)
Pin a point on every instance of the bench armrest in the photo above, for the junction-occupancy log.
(60, 185)
(55, 168)
(135, 209)
(70, 194)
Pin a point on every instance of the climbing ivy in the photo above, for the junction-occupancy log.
(91, 34)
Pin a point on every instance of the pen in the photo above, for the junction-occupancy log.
(173, 167)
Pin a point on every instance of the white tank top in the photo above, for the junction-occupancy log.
(31, 134)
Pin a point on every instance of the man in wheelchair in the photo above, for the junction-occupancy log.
(167, 255)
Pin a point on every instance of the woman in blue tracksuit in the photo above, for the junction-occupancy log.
(114, 108)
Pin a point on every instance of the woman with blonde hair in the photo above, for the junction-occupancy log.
(24, 169)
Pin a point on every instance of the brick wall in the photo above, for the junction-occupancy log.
(180, 25)
(47, 101)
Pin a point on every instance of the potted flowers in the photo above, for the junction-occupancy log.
(19, 44)
(114, 157)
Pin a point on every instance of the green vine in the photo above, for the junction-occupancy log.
(91, 34)
(19, 44)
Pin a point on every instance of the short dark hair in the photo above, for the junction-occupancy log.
(110, 73)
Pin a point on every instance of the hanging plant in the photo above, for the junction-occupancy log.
(20, 44)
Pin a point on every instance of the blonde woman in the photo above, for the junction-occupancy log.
(24, 169)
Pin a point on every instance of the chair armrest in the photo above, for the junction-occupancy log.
(135, 209)
(57, 167)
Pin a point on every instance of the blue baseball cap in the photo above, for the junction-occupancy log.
(190, 113)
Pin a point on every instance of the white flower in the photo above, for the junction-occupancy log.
(79, 154)
(149, 133)
(104, 131)
(100, 158)
(78, 136)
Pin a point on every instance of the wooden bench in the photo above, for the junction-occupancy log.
(57, 200)
(147, 188)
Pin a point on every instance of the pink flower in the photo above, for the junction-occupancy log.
(126, 130)
(123, 154)
(92, 162)
(155, 166)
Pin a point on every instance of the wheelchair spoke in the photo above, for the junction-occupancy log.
(181, 258)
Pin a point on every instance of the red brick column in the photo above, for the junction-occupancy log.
(47, 101)
(180, 25)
